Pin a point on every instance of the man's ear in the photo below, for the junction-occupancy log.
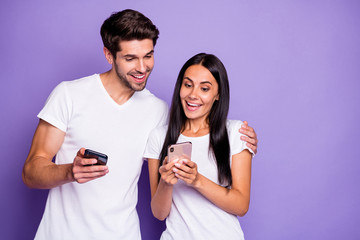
(109, 57)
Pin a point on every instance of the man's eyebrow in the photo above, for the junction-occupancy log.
(204, 82)
(151, 52)
(135, 56)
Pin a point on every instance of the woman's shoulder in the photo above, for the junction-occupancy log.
(233, 125)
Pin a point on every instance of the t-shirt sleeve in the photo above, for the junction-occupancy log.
(57, 108)
(236, 144)
(154, 143)
(164, 116)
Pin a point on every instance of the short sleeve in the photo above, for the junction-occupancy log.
(57, 108)
(155, 142)
(164, 116)
(236, 144)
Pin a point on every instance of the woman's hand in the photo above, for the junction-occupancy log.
(186, 170)
(167, 173)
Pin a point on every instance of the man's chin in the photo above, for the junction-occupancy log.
(139, 87)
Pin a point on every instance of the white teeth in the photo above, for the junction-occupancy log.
(139, 77)
(193, 105)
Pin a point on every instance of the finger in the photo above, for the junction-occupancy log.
(89, 174)
(248, 133)
(168, 177)
(85, 177)
(252, 147)
(81, 152)
(245, 123)
(79, 161)
(180, 167)
(90, 169)
(183, 167)
(189, 163)
(248, 140)
(169, 166)
(166, 160)
(186, 172)
(164, 172)
(180, 172)
(186, 179)
(172, 179)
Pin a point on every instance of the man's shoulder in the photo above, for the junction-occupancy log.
(148, 97)
(82, 82)
(159, 132)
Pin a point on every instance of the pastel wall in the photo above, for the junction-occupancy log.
(294, 73)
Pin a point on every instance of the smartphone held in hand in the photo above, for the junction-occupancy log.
(178, 150)
(100, 157)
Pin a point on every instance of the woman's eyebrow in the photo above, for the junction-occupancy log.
(204, 82)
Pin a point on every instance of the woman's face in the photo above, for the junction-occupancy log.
(198, 92)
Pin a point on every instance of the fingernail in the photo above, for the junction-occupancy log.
(177, 164)
(174, 170)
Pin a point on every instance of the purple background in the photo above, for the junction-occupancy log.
(294, 70)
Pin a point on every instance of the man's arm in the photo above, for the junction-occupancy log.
(40, 172)
(250, 138)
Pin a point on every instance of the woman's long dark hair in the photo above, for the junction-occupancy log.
(219, 141)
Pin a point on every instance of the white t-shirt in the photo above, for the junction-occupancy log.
(104, 208)
(192, 216)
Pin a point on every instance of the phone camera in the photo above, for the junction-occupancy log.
(171, 149)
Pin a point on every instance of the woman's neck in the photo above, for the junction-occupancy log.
(196, 128)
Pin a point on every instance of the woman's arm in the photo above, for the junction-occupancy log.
(161, 191)
(235, 200)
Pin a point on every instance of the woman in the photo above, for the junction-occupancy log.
(200, 196)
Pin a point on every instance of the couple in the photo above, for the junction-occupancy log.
(113, 113)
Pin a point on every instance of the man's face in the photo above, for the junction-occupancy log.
(134, 63)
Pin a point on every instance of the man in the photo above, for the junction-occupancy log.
(111, 113)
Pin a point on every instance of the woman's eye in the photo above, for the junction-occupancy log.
(187, 85)
(205, 89)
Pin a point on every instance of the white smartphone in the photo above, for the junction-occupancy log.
(177, 150)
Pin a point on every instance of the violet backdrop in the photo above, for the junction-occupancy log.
(294, 69)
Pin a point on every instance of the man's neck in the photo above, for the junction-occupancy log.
(117, 91)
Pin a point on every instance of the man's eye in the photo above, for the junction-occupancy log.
(129, 59)
(148, 56)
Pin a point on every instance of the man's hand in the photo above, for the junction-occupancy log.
(250, 138)
(82, 168)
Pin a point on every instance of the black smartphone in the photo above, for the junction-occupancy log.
(100, 157)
